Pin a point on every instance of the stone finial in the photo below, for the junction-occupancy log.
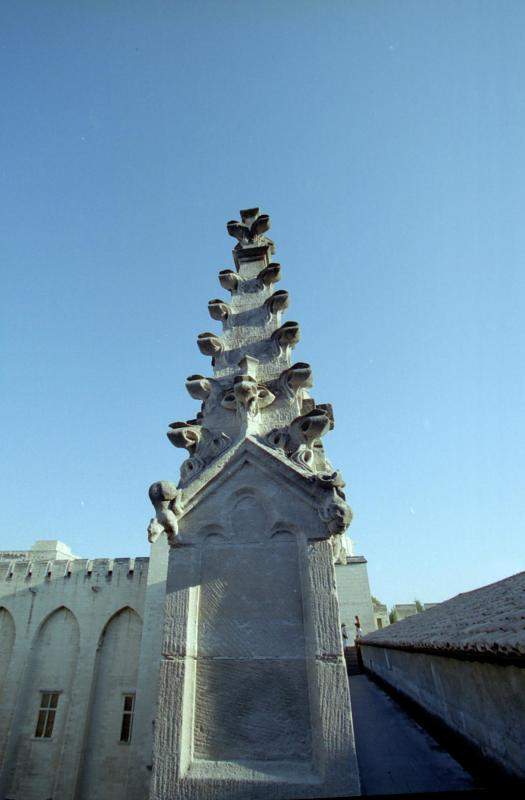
(209, 344)
(252, 227)
(270, 274)
(185, 434)
(218, 310)
(278, 301)
(250, 234)
(229, 280)
(298, 376)
(287, 335)
(311, 426)
(300, 440)
(327, 409)
(198, 387)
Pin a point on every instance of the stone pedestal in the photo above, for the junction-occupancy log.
(254, 699)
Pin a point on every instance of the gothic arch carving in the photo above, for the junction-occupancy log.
(244, 491)
(212, 534)
(248, 513)
(51, 667)
(115, 675)
(214, 538)
(283, 530)
(50, 614)
(112, 617)
(284, 525)
(283, 535)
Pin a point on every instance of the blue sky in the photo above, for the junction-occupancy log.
(385, 139)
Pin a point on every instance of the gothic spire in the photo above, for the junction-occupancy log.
(255, 390)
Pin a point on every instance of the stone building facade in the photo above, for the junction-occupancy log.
(72, 638)
(90, 630)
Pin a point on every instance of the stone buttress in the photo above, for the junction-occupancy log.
(253, 698)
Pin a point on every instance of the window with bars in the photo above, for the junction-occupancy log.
(128, 710)
(46, 714)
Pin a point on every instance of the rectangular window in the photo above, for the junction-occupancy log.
(46, 715)
(127, 717)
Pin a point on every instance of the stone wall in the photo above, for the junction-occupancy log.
(464, 662)
(71, 627)
(482, 701)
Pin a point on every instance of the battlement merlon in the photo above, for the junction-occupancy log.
(29, 571)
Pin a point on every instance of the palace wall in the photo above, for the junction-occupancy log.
(71, 627)
(92, 630)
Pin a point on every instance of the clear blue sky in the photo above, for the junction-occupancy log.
(386, 141)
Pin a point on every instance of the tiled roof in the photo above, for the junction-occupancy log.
(489, 621)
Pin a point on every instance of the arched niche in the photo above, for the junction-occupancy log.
(114, 680)
(251, 643)
(7, 641)
(211, 534)
(248, 514)
(282, 536)
(214, 538)
(51, 669)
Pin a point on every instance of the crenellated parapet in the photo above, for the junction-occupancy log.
(26, 573)
(255, 390)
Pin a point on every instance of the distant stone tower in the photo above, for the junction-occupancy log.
(253, 698)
